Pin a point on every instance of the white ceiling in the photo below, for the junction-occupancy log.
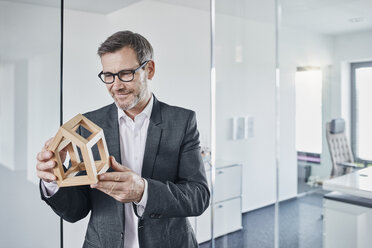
(327, 16)
(320, 16)
(96, 6)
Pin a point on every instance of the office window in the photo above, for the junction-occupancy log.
(361, 117)
(308, 84)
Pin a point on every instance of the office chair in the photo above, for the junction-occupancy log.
(339, 148)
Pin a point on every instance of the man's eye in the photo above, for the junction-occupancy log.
(107, 75)
(125, 73)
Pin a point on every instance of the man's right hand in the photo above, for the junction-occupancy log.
(45, 163)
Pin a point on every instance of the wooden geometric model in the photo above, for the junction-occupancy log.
(68, 138)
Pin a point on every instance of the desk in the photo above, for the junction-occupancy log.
(358, 183)
(348, 212)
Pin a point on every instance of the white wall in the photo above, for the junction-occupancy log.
(83, 91)
(246, 87)
(7, 115)
(29, 43)
(180, 38)
(43, 106)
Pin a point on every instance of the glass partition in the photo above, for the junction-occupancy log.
(283, 85)
(29, 115)
(179, 34)
(319, 42)
(245, 175)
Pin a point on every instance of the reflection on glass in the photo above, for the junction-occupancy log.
(29, 114)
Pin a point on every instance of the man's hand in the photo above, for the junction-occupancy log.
(45, 163)
(123, 185)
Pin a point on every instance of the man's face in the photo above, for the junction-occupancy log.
(127, 95)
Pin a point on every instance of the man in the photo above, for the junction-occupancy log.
(156, 178)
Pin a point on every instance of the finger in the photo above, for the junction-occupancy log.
(46, 166)
(108, 187)
(47, 143)
(44, 155)
(46, 176)
(116, 166)
(113, 176)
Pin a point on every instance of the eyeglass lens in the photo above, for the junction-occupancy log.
(125, 76)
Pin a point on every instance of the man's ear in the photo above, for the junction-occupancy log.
(150, 69)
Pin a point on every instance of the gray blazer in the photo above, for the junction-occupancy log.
(177, 185)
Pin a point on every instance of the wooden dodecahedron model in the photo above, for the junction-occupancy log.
(68, 138)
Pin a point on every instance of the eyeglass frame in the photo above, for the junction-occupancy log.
(117, 74)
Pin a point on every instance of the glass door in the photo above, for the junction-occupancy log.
(319, 42)
(179, 35)
(29, 115)
(245, 175)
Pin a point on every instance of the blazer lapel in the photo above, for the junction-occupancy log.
(111, 131)
(152, 141)
(110, 126)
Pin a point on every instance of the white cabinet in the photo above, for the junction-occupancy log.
(228, 183)
(228, 217)
(227, 203)
(346, 225)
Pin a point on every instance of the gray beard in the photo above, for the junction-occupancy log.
(136, 100)
(132, 105)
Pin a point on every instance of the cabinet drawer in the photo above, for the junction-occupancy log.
(228, 183)
(227, 217)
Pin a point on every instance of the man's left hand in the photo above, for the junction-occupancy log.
(123, 185)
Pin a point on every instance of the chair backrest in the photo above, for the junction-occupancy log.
(338, 145)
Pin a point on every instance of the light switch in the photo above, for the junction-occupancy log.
(238, 128)
(249, 127)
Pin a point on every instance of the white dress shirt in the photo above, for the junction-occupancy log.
(133, 134)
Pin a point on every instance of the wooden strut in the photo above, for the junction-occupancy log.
(67, 138)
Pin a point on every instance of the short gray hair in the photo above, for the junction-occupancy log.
(137, 42)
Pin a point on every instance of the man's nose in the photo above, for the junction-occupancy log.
(118, 84)
(117, 80)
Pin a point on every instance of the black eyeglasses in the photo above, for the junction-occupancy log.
(123, 75)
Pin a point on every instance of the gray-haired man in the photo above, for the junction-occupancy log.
(157, 177)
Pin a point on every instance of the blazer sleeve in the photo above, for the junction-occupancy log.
(70, 203)
(189, 194)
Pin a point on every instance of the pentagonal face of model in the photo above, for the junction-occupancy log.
(68, 140)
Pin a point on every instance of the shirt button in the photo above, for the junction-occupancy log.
(121, 235)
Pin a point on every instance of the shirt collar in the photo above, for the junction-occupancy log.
(146, 112)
